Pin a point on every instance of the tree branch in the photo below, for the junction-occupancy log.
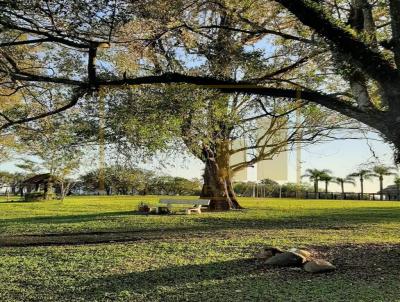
(26, 42)
(395, 24)
(352, 49)
(283, 69)
(29, 77)
(225, 86)
(50, 37)
(74, 100)
(231, 86)
(91, 68)
(260, 31)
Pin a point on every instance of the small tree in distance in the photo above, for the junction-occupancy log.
(327, 178)
(341, 181)
(363, 174)
(380, 171)
(315, 176)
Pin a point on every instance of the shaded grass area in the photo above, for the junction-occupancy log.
(195, 258)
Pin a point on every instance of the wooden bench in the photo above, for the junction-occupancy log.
(195, 203)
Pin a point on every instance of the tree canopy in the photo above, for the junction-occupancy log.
(342, 55)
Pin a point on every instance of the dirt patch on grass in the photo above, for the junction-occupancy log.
(68, 239)
(101, 237)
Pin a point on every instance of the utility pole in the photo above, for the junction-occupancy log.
(298, 143)
(102, 149)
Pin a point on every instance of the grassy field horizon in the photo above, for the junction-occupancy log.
(96, 248)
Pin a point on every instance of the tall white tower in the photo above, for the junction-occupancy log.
(277, 167)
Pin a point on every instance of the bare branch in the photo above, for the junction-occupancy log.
(230, 86)
(50, 37)
(259, 32)
(24, 42)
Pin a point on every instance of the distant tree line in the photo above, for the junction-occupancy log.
(123, 180)
(376, 171)
(120, 180)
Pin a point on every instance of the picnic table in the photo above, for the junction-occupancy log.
(196, 204)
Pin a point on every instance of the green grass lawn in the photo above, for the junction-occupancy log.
(98, 249)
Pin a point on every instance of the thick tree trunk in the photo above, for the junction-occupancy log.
(316, 190)
(381, 186)
(217, 183)
(46, 191)
(396, 143)
(62, 191)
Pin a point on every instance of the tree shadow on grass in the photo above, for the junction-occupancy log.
(60, 219)
(147, 282)
(17, 201)
(329, 219)
(326, 218)
(345, 215)
(248, 280)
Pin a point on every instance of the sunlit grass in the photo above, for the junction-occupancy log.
(327, 220)
(194, 257)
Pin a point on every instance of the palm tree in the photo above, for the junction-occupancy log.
(380, 171)
(363, 174)
(346, 180)
(315, 176)
(397, 183)
(327, 178)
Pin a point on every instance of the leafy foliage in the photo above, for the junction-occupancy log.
(126, 180)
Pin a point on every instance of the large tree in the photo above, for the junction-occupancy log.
(215, 126)
(341, 55)
(52, 147)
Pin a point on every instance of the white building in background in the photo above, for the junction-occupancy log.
(238, 158)
(275, 168)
